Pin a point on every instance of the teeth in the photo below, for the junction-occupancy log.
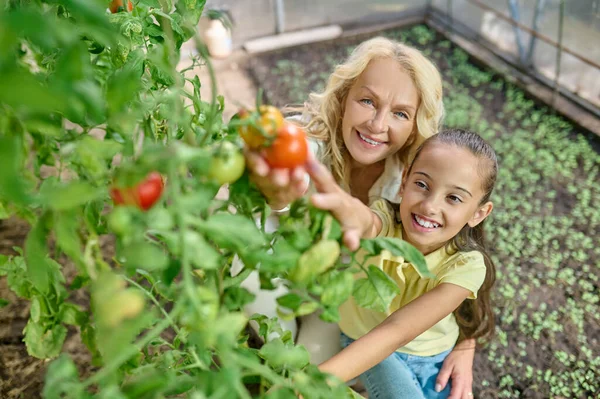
(426, 223)
(372, 142)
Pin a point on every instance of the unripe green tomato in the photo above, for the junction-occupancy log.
(119, 221)
(227, 165)
(314, 261)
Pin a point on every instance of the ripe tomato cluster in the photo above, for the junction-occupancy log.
(117, 5)
(143, 195)
(284, 144)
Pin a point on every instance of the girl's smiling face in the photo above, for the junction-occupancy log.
(442, 194)
(379, 112)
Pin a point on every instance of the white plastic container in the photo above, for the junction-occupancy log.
(218, 39)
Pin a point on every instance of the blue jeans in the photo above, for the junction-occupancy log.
(403, 376)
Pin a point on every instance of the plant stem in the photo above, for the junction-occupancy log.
(131, 350)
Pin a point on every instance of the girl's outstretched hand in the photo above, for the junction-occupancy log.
(280, 186)
(458, 367)
(356, 219)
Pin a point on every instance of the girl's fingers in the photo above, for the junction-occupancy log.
(322, 178)
(327, 202)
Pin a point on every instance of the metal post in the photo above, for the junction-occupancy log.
(559, 51)
(449, 9)
(279, 16)
(539, 9)
(514, 12)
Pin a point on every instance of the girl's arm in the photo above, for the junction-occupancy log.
(357, 220)
(397, 330)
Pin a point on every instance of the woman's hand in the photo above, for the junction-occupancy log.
(356, 219)
(280, 186)
(458, 367)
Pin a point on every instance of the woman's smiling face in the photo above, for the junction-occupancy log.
(441, 195)
(379, 112)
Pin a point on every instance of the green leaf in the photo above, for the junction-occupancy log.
(397, 247)
(21, 90)
(3, 302)
(375, 292)
(112, 341)
(66, 227)
(111, 392)
(36, 252)
(44, 343)
(279, 355)
(35, 309)
(200, 253)
(12, 185)
(283, 258)
(291, 301)
(124, 84)
(337, 289)
(17, 276)
(232, 231)
(72, 314)
(144, 255)
(70, 195)
(62, 379)
(235, 298)
(3, 212)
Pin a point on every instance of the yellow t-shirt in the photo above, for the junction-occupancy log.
(465, 269)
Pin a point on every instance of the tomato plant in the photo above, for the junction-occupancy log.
(289, 149)
(264, 129)
(90, 103)
(143, 195)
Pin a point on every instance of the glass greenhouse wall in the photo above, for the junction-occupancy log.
(528, 32)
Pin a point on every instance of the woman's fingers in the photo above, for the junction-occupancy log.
(352, 239)
(256, 163)
(280, 177)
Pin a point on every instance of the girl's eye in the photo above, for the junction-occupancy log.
(421, 184)
(454, 198)
(367, 101)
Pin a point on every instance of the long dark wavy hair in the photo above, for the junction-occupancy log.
(475, 318)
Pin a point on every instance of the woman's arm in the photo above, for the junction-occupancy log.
(397, 330)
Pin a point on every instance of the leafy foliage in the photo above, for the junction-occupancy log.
(90, 101)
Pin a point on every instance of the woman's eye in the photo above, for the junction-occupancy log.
(421, 184)
(366, 101)
(401, 114)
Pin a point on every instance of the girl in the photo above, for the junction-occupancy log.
(445, 199)
(376, 109)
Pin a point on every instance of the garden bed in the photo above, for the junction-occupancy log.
(543, 232)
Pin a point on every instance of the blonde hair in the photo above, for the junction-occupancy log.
(326, 109)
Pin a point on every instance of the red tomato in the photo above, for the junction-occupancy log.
(144, 195)
(116, 4)
(290, 148)
(270, 120)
